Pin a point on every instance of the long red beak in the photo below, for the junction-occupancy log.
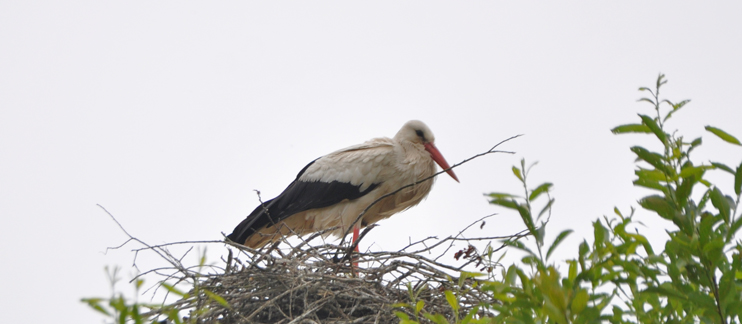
(438, 158)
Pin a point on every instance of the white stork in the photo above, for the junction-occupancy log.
(331, 191)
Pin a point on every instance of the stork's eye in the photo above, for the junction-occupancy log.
(419, 133)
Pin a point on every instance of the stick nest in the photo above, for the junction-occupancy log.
(319, 284)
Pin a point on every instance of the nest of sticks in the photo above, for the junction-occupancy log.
(326, 283)
(314, 285)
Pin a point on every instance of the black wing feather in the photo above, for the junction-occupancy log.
(297, 197)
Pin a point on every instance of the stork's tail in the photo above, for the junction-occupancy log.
(249, 226)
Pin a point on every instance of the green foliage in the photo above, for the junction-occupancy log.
(452, 298)
(122, 310)
(619, 278)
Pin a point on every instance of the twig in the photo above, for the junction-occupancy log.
(462, 232)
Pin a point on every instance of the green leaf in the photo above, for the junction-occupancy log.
(583, 248)
(530, 260)
(135, 314)
(723, 167)
(653, 159)
(696, 142)
(499, 195)
(217, 298)
(558, 240)
(539, 190)
(123, 315)
(174, 316)
(118, 303)
(470, 274)
(690, 170)
(655, 128)
(572, 274)
(669, 113)
(516, 172)
(734, 228)
(451, 299)
(95, 304)
(684, 190)
(659, 205)
(738, 180)
(631, 128)
(654, 174)
(546, 208)
(704, 300)
(138, 283)
(714, 250)
(704, 199)
(721, 203)
(675, 108)
(402, 315)
(600, 232)
(507, 203)
(651, 184)
(437, 318)
(727, 289)
(519, 245)
(172, 289)
(679, 104)
(666, 289)
(579, 302)
(706, 227)
(723, 135)
(525, 215)
(510, 275)
(419, 306)
(660, 82)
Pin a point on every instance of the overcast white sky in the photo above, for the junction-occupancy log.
(171, 113)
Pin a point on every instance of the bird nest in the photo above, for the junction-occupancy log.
(314, 285)
(306, 283)
(316, 282)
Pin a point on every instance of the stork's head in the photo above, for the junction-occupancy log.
(417, 132)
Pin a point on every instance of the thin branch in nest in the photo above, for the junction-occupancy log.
(161, 252)
(460, 233)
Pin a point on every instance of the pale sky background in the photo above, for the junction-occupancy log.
(170, 114)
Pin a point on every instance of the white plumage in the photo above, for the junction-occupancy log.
(333, 190)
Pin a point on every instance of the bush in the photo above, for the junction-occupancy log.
(620, 278)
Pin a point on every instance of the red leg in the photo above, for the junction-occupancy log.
(356, 233)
